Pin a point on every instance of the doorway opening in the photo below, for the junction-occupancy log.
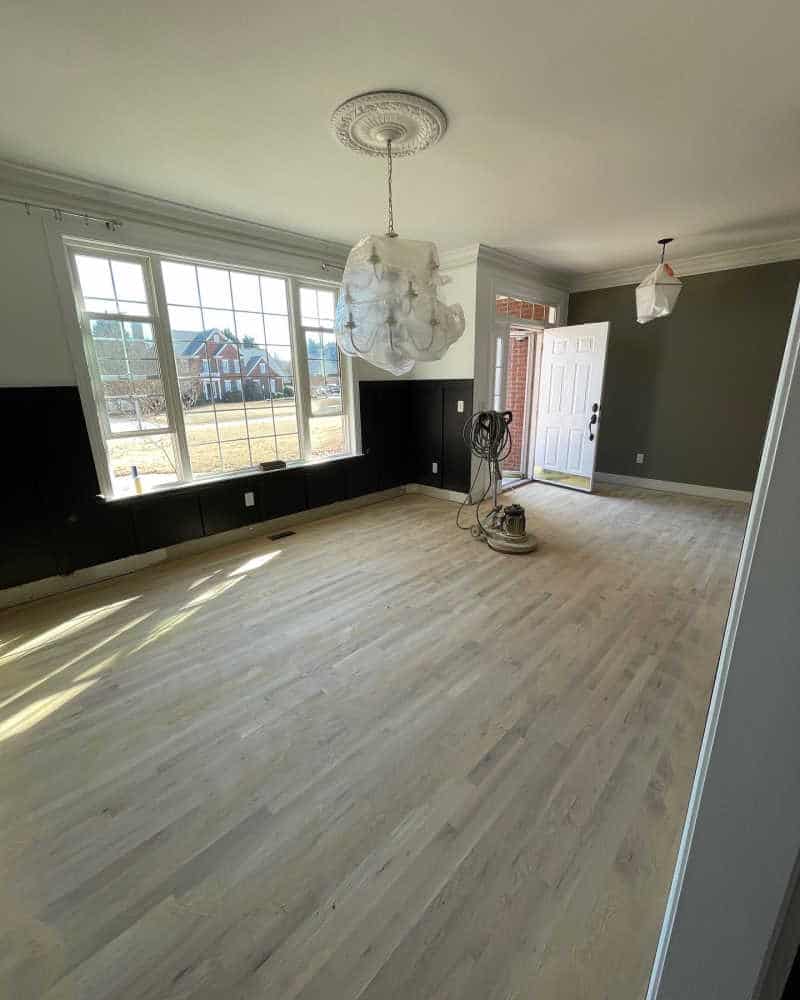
(520, 369)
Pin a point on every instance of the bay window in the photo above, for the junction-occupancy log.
(193, 366)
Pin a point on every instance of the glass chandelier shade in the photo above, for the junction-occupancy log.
(389, 311)
(657, 294)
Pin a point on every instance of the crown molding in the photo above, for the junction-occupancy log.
(461, 257)
(509, 263)
(501, 260)
(29, 183)
(724, 260)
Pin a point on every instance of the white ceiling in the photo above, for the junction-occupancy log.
(579, 132)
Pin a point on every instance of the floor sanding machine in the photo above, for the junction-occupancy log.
(487, 436)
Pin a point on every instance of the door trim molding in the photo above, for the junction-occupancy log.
(668, 486)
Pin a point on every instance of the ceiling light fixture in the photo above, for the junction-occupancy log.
(389, 312)
(657, 294)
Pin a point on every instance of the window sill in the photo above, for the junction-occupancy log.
(198, 485)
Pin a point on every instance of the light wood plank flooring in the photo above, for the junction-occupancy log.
(374, 760)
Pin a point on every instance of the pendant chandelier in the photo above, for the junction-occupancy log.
(657, 294)
(389, 311)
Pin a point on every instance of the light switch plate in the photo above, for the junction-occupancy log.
(249, 499)
(460, 406)
(435, 467)
(640, 458)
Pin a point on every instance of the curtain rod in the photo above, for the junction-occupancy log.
(111, 224)
(58, 213)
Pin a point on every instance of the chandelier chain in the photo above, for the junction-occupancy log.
(390, 231)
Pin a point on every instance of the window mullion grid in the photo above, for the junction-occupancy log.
(241, 366)
(219, 370)
(162, 331)
(302, 380)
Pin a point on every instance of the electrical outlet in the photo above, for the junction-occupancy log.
(460, 406)
(249, 499)
(640, 458)
(435, 467)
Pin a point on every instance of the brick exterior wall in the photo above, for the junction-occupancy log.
(516, 387)
(518, 309)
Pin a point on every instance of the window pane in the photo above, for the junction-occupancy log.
(235, 455)
(314, 345)
(200, 424)
(260, 422)
(280, 362)
(219, 319)
(308, 307)
(264, 449)
(205, 459)
(180, 283)
(327, 436)
(94, 274)
(215, 289)
(250, 329)
(182, 319)
(277, 329)
(245, 291)
(100, 305)
(288, 448)
(326, 303)
(256, 392)
(128, 281)
(273, 295)
(153, 455)
(231, 423)
(285, 416)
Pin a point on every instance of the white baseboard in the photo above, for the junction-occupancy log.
(666, 486)
(433, 491)
(36, 589)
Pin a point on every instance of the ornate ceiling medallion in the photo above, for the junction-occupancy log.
(364, 123)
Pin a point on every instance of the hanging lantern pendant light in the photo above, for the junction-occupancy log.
(389, 312)
(657, 294)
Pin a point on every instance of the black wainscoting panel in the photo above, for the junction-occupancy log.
(51, 520)
(326, 483)
(95, 532)
(426, 433)
(408, 425)
(223, 505)
(455, 454)
(363, 476)
(386, 430)
(26, 551)
(281, 493)
(166, 520)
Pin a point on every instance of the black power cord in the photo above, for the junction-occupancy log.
(487, 436)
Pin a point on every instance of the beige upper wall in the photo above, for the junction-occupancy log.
(35, 350)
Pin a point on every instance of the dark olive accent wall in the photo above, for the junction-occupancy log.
(693, 390)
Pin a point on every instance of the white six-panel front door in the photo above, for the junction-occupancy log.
(568, 418)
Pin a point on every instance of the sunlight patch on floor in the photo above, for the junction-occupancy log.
(76, 659)
(69, 627)
(34, 713)
(255, 563)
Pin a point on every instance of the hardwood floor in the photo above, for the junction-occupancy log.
(372, 760)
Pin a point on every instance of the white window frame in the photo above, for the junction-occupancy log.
(302, 351)
(89, 384)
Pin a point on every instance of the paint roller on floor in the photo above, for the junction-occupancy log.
(487, 436)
